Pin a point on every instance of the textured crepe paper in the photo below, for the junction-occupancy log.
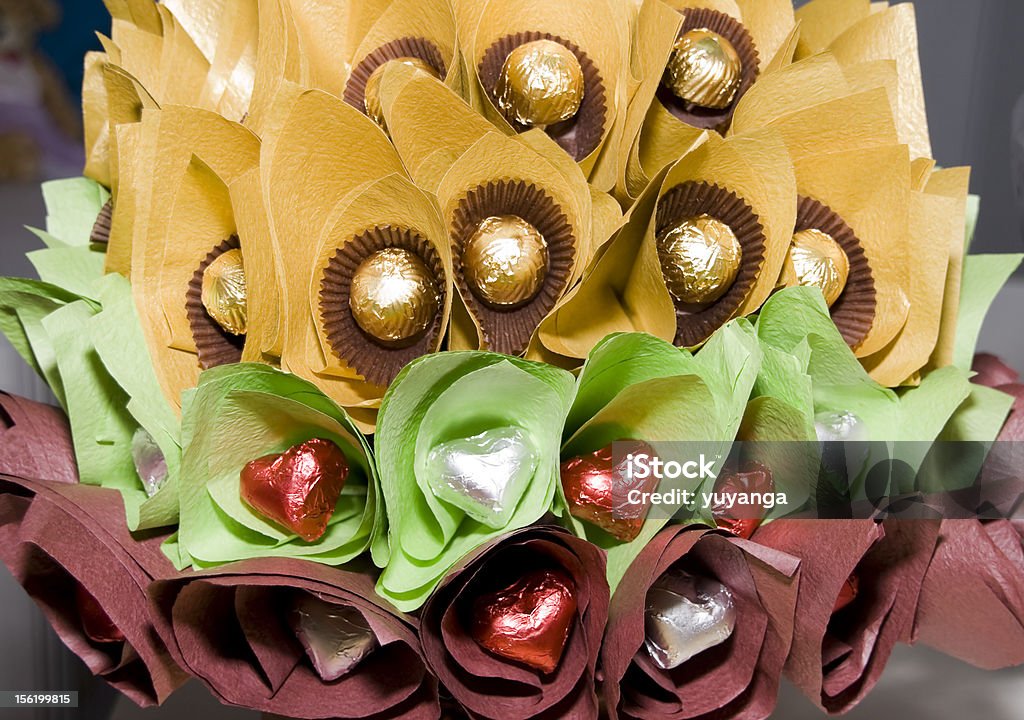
(124, 219)
(756, 167)
(126, 99)
(983, 277)
(870, 190)
(432, 20)
(623, 289)
(992, 371)
(822, 21)
(322, 151)
(935, 224)
(654, 33)
(491, 687)
(1013, 430)
(638, 387)
(229, 627)
(277, 60)
(435, 399)
(585, 23)
(94, 116)
(35, 441)
(238, 414)
(75, 534)
(739, 678)
(891, 34)
(497, 158)
(946, 350)
(972, 601)
(393, 201)
(837, 658)
(181, 215)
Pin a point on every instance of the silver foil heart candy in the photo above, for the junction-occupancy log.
(150, 463)
(484, 475)
(686, 615)
(336, 638)
(839, 427)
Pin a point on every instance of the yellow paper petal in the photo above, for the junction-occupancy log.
(822, 21)
(320, 31)
(94, 113)
(770, 23)
(277, 60)
(892, 35)
(322, 151)
(952, 183)
(126, 101)
(122, 225)
(142, 13)
(183, 68)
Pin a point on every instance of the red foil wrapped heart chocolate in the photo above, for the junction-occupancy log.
(298, 488)
(96, 624)
(597, 488)
(847, 594)
(529, 620)
(735, 508)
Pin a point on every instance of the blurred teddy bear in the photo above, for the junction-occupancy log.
(39, 124)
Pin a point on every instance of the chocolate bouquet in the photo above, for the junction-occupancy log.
(511, 360)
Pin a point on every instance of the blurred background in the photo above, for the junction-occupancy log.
(973, 66)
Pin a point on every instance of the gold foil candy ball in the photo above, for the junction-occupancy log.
(371, 95)
(505, 262)
(394, 296)
(704, 69)
(815, 259)
(224, 292)
(541, 83)
(700, 258)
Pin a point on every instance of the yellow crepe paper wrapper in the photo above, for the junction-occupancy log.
(857, 31)
(309, 43)
(937, 212)
(490, 168)
(318, 155)
(422, 28)
(653, 137)
(184, 160)
(392, 203)
(624, 288)
(599, 29)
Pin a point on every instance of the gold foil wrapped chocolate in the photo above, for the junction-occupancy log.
(505, 262)
(700, 259)
(372, 102)
(394, 296)
(541, 83)
(704, 69)
(224, 292)
(815, 259)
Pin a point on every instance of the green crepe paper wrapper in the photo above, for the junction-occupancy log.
(35, 441)
(54, 537)
(637, 387)
(444, 397)
(243, 412)
(983, 277)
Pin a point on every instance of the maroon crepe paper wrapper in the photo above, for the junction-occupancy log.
(837, 658)
(230, 628)
(487, 686)
(1013, 428)
(56, 537)
(737, 679)
(35, 441)
(992, 371)
(972, 601)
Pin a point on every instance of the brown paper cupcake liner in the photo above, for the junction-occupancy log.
(509, 331)
(854, 311)
(733, 31)
(417, 47)
(100, 234)
(696, 323)
(377, 363)
(580, 135)
(215, 345)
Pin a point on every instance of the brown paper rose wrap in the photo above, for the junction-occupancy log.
(601, 48)
(183, 220)
(839, 653)
(184, 52)
(738, 678)
(489, 686)
(659, 126)
(231, 628)
(746, 182)
(35, 441)
(69, 547)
